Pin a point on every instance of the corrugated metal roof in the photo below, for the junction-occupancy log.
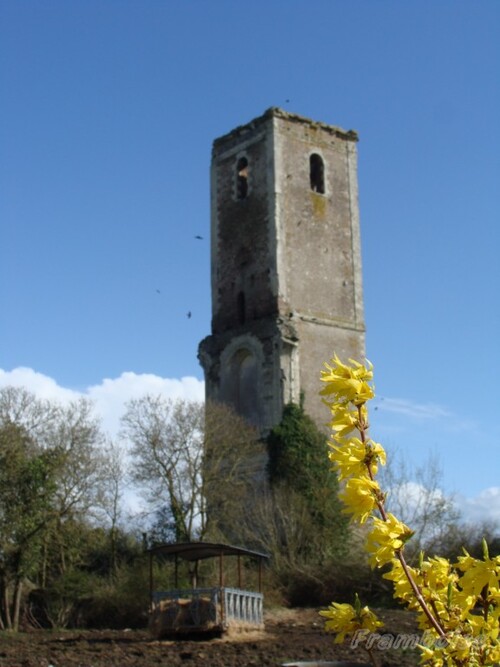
(199, 550)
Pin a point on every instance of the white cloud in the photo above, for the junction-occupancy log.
(474, 510)
(109, 397)
(482, 508)
(37, 383)
(415, 494)
(412, 409)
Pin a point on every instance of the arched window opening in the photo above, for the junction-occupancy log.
(241, 308)
(242, 178)
(317, 173)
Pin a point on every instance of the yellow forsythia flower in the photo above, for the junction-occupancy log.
(344, 620)
(430, 655)
(375, 454)
(482, 627)
(345, 420)
(347, 383)
(349, 459)
(438, 573)
(493, 654)
(360, 496)
(402, 589)
(353, 457)
(478, 574)
(459, 648)
(385, 538)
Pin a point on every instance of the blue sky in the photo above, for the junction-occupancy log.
(108, 111)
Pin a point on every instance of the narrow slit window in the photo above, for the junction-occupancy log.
(317, 173)
(241, 308)
(242, 178)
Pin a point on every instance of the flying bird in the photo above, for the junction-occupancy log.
(189, 315)
(199, 237)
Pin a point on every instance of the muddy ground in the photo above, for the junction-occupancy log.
(289, 635)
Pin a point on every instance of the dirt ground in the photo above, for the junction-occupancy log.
(289, 636)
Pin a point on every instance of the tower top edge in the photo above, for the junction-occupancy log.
(277, 112)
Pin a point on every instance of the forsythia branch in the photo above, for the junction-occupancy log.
(445, 595)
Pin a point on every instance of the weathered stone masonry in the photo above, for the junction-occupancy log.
(285, 264)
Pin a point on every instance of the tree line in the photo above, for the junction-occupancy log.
(71, 554)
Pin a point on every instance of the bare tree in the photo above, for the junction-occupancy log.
(278, 522)
(191, 461)
(78, 443)
(415, 497)
(111, 495)
(234, 470)
(37, 417)
(167, 438)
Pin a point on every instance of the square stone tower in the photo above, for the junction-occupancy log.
(285, 264)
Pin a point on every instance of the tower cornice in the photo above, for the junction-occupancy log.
(277, 112)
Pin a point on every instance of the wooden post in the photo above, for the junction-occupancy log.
(150, 581)
(221, 589)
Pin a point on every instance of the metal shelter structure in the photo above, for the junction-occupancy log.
(209, 609)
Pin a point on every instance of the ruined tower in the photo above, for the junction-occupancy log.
(285, 264)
